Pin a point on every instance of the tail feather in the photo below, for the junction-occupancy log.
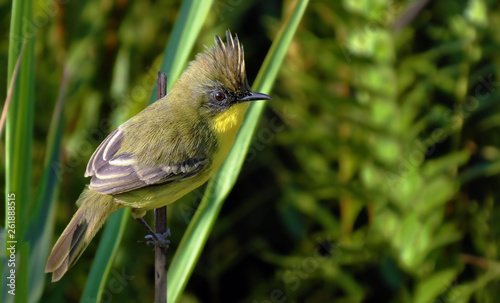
(94, 209)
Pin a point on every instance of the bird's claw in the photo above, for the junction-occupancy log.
(160, 239)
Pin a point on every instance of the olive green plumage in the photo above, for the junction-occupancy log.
(167, 150)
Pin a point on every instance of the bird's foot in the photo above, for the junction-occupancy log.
(161, 239)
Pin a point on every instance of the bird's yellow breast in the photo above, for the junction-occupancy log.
(229, 119)
(226, 126)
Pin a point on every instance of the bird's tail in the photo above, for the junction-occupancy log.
(94, 209)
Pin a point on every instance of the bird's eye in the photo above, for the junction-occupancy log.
(219, 96)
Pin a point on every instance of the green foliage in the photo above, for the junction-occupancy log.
(372, 175)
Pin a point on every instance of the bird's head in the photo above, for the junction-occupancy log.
(217, 78)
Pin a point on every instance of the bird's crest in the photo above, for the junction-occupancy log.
(225, 63)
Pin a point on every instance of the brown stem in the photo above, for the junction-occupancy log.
(161, 223)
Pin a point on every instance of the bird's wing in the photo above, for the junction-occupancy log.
(116, 173)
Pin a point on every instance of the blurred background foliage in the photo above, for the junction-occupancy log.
(372, 177)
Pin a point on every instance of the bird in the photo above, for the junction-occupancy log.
(170, 148)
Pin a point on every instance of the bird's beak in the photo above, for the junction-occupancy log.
(252, 96)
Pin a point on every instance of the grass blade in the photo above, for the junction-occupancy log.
(11, 87)
(218, 188)
(192, 15)
(19, 133)
(108, 246)
(41, 224)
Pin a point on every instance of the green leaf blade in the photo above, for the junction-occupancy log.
(219, 186)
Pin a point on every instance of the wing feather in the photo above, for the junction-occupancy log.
(115, 173)
(104, 152)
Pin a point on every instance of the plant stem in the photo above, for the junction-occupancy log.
(161, 223)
